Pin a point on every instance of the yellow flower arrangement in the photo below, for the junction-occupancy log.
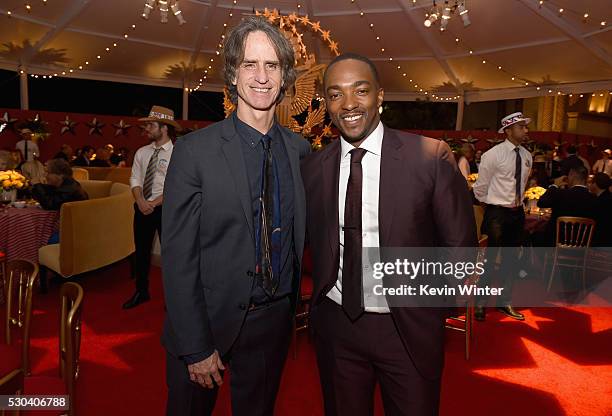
(472, 177)
(11, 179)
(534, 192)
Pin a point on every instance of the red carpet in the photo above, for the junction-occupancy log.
(557, 362)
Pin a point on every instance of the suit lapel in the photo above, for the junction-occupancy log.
(299, 197)
(235, 160)
(330, 168)
(390, 170)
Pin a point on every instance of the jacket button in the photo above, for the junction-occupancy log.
(249, 273)
(243, 306)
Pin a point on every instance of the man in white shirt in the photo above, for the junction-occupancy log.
(604, 164)
(26, 146)
(147, 183)
(377, 187)
(502, 179)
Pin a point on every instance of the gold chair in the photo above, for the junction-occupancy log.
(572, 245)
(80, 174)
(71, 301)
(302, 313)
(466, 324)
(2, 277)
(21, 276)
(11, 385)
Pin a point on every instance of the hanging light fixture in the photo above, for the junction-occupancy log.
(446, 12)
(163, 10)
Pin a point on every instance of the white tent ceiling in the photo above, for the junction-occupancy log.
(557, 52)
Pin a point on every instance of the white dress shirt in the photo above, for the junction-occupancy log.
(369, 215)
(604, 166)
(32, 148)
(496, 184)
(141, 161)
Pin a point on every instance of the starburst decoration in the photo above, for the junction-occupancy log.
(67, 125)
(95, 127)
(121, 128)
(7, 121)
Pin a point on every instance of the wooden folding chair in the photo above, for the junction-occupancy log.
(572, 245)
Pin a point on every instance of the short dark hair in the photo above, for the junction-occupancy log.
(356, 57)
(59, 167)
(580, 172)
(233, 53)
(571, 150)
(602, 180)
(87, 148)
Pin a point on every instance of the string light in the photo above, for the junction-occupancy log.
(378, 38)
(204, 76)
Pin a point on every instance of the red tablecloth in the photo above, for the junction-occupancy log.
(24, 230)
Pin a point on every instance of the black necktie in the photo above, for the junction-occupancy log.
(517, 176)
(351, 262)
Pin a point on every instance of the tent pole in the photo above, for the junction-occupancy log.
(23, 88)
(460, 106)
(185, 101)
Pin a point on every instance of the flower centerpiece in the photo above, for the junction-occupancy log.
(532, 195)
(10, 182)
(472, 177)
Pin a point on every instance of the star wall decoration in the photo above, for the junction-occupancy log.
(6, 121)
(95, 127)
(470, 140)
(121, 128)
(67, 125)
(494, 141)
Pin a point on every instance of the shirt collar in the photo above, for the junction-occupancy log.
(166, 146)
(372, 143)
(250, 135)
(508, 145)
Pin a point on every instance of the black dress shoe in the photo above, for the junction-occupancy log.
(509, 311)
(479, 313)
(136, 299)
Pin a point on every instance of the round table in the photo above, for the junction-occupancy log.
(24, 230)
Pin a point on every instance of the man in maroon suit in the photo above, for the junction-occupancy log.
(377, 187)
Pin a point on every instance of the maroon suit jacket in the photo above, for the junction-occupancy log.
(423, 202)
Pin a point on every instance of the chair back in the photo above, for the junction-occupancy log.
(71, 297)
(574, 232)
(12, 383)
(80, 174)
(21, 276)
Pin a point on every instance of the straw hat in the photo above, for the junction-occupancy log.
(512, 119)
(162, 115)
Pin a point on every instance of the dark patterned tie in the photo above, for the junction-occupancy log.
(517, 176)
(352, 282)
(269, 225)
(147, 187)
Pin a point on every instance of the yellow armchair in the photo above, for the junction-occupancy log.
(93, 233)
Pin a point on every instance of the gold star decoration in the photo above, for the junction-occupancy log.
(316, 26)
(121, 128)
(293, 17)
(333, 46)
(327, 131)
(470, 140)
(95, 127)
(304, 20)
(67, 125)
(325, 34)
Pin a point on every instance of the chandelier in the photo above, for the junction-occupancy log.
(443, 13)
(163, 10)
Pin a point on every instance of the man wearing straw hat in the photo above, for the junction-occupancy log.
(147, 183)
(502, 178)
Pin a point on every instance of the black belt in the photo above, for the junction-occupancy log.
(517, 208)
